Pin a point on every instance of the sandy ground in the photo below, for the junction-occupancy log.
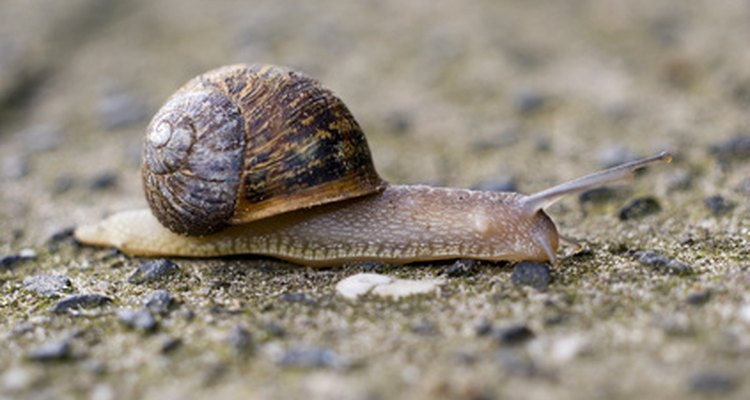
(470, 94)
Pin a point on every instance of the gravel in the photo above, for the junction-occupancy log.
(533, 274)
(153, 270)
(639, 208)
(662, 263)
(311, 357)
(47, 285)
(158, 301)
(141, 320)
(80, 301)
(53, 350)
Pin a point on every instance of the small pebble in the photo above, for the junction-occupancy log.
(79, 301)
(699, 298)
(153, 270)
(528, 101)
(47, 285)
(662, 263)
(712, 382)
(598, 195)
(10, 260)
(55, 350)
(399, 122)
(459, 268)
(483, 328)
(239, 339)
(119, 110)
(158, 301)
(103, 181)
(736, 148)
(359, 284)
(514, 334)
(718, 204)
(498, 184)
(141, 320)
(534, 274)
(406, 287)
(311, 357)
(170, 344)
(639, 208)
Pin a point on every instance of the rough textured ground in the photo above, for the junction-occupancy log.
(473, 94)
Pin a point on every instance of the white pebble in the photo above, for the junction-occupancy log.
(359, 284)
(385, 286)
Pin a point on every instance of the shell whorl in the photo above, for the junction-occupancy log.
(240, 143)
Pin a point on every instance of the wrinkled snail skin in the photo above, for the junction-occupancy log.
(400, 225)
(258, 159)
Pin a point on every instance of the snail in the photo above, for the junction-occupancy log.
(260, 159)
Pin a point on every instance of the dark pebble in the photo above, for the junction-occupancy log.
(119, 110)
(598, 195)
(153, 270)
(534, 274)
(103, 181)
(170, 344)
(712, 382)
(239, 339)
(61, 235)
(461, 268)
(399, 122)
(483, 328)
(311, 357)
(736, 148)
(662, 263)
(158, 301)
(55, 350)
(699, 298)
(639, 208)
(718, 204)
(529, 101)
(141, 320)
(9, 261)
(514, 334)
(47, 285)
(78, 301)
(498, 184)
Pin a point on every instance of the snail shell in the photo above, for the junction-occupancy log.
(244, 142)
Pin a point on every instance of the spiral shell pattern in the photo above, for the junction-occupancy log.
(241, 143)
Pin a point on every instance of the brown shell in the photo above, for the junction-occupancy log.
(244, 142)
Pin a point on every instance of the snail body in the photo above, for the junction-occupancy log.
(263, 160)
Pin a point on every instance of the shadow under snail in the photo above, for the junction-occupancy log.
(260, 159)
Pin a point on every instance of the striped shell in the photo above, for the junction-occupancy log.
(244, 142)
